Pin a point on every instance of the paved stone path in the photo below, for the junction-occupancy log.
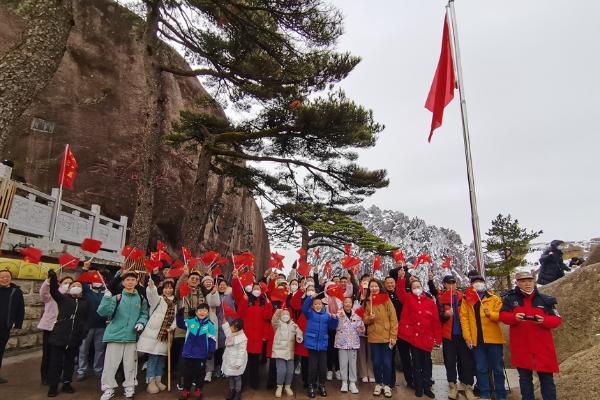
(22, 373)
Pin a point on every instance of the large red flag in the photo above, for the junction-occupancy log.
(442, 87)
(68, 169)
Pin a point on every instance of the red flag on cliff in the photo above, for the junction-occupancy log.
(68, 169)
(442, 88)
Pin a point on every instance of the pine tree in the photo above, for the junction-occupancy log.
(248, 52)
(511, 242)
(310, 225)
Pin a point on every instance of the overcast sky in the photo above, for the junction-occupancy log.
(532, 81)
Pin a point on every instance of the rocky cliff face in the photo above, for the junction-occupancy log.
(95, 103)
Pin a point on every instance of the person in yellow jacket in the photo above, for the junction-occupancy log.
(479, 319)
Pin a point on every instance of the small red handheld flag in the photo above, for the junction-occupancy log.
(279, 294)
(317, 253)
(127, 250)
(229, 312)
(350, 261)
(184, 290)
(174, 273)
(247, 278)
(347, 248)
(442, 88)
(151, 264)
(276, 261)
(336, 290)
(304, 268)
(398, 256)
(187, 254)
(91, 245)
(377, 263)
(216, 271)
(327, 268)
(90, 277)
(379, 298)
(447, 262)
(67, 261)
(360, 312)
(302, 253)
(422, 259)
(160, 246)
(68, 169)
(31, 255)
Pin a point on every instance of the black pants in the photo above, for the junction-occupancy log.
(303, 369)
(176, 359)
(4, 335)
(61, 364)
(194, 370)
(45, 356)
(333, 359)
(317, 367)
(421, 367)
(251, 373)
(547, 386)
(458, 355)
(219, 358)
(407, 369)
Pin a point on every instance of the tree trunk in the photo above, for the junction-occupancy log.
(153, 131)
(305, 238)
(27, 68)
(196, 215)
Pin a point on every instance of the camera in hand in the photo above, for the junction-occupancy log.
(530, 317)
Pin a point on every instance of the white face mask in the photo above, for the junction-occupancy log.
(65, 287)
(285, 317)
(527, 292)
(96, 285)
(75, 290)
(365, 285)
(417, 291)
(479, 286)
(248, 288)
(256, 293)
(310, 293)
(293, 288)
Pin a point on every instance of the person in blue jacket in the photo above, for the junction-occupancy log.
(199, 346)
(316, 339)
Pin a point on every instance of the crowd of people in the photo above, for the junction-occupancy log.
(202, 327)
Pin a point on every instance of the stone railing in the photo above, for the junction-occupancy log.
(31, 222)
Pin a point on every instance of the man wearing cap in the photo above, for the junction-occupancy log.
(531, 316)
(127, 313)
(455, 350)
(479, 315)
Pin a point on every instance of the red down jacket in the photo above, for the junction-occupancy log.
(531, 343)
(419, 323)
(255, 314)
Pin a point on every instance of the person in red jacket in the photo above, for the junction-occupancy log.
(420, 326)
(531, 316)
(255, 309)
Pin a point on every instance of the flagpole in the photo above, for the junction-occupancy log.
(60, 192)
(465, 125)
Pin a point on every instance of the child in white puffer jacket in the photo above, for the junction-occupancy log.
(235, 356)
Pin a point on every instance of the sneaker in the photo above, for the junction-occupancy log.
(338, 375)
(344, 388)
(208, 377)
(198, 394)
(377, 390)
(387, 391)
(353, 388)
(67, 388)
(427, 392)
(129, 392)
(365, 379)
(184, 395)
(179, 386)
(108, 394)
(372, 380)
(288, 390)
(278, 391)
(161, 386)
(152, 387)
(329, 375)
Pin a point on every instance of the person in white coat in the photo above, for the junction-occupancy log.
(213, 299)
(154, 338)
(287, 333)
(235, 356)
